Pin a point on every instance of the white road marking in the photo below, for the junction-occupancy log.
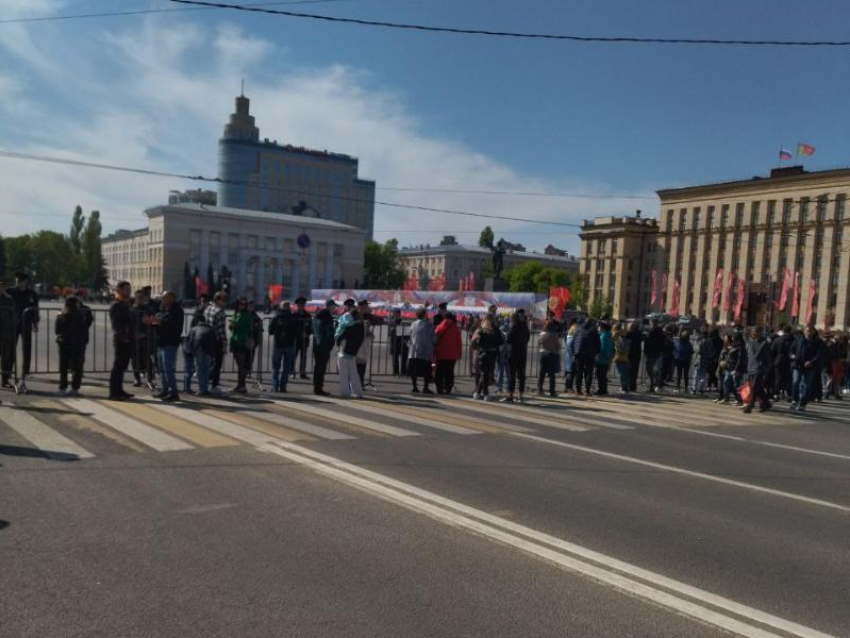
(295, 424)
(528, 416)
(693, 473)
(680, 597)
(346, 417)
(153, 438)
(361, 406)
(783, 446)
(45, 438)
(218, 425)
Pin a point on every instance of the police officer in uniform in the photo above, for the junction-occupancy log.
(26, 318)
(302, 339)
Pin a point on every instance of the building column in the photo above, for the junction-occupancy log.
(241, 274)
(278, 271)
(205, 252)
(260, 281)
(311, 278)
(296, 276)
(329, 263)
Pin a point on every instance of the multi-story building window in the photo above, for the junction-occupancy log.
(840, 207)
(724, 215)
(821, 210)
(711, 216)
(754, 213)
(683, 218)
(697, 215)
(771, 212)
(669, 222)
(739, 214)
(804, 209)
(786, 211)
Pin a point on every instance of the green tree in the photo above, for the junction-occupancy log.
(487, 237)
(93, 268)
(78, 224)
(50, 256)
(18, 253)
(578, 293)
(381, 268)
(600, 308)
(533, 276)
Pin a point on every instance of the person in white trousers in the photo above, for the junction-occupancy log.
(350, 336)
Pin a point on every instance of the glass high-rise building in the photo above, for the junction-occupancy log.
(267, 176)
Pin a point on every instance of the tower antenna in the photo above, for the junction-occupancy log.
(243, 87)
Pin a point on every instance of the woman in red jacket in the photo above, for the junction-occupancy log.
(447, 352)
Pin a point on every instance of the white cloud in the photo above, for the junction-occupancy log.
(166, 108)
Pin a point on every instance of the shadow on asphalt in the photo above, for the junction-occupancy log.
(14, 450)
(3, 524)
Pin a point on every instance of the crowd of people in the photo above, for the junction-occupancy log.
(755, 368)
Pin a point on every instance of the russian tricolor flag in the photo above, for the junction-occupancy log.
(784, 155)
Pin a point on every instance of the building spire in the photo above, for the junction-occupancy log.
(241, 125)
(242, 94)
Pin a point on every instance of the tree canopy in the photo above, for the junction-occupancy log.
(533, 276)
(381, 268)
(487, 237)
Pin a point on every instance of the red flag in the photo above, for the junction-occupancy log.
(471, 280)
(795, 300)
(558, 300)
(653, 294)
(275, 293)
(718, 288)
(805, 149)
(727, 303)
(813, 290)
(674, 302)
(739, 298)
(786, 283)
(664, 291)
(201, 287)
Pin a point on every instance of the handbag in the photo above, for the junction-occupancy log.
(745, 391)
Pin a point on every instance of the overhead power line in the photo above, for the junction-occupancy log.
(514, 193)
(110, 14)
(218, 180)
(513, 34)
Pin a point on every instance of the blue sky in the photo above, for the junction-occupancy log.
(421, 109)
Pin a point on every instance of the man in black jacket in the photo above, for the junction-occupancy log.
(653, 347)
(8, 330)
(169, 331)
(123, 334)
(805, 358)
(758, 365)
(302, 340)
(323, 343)
(635, 337)
(284, 329)
(198, 315)
(781, 352)
(26, 318)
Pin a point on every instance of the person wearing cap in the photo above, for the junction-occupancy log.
(323, 343)
(342, 323)
(8, 328)
(302, 339)
(26, 319)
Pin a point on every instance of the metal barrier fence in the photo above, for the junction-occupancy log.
(385, 359)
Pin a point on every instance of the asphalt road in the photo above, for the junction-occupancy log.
(418, 516)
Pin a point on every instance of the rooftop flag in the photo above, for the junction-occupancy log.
(805, 149)
(784, 155)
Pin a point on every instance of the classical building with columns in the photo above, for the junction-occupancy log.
(753, 229)
(258, 248)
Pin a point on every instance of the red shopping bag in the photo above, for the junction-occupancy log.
(745, 390)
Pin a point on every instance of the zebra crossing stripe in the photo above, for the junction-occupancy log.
(45, 438)
(150, 436)
(525, 415)
(444, 416)
(363, 406)
(294, 424)
(346, 417)
(221, 426)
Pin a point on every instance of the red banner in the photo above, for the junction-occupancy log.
(558, 300)
(664, 291)
(653, 293)
(727, 303)
(786, 283)
(718, 288)
(674, 305)
(470, 285)
(795, 299)
(438, 283)
(275, 293)
(739, 298)
(201, 287)
(810, 298)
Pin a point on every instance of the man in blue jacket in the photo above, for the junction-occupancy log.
(805, 357)
(759, 361)
(586, 346)
(604, 358)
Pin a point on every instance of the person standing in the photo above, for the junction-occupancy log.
(570, 357)
(487, 349)
(604, 358)
(323, 343)
(586, 347)
(241, 328)
(448, 350)
(707, 364)
(203, 302)
(622, 351)
(653, 346)
(302, 341)
(758, 365)
(144, 350)
(123, 337)
(635, 338)
(72, 336)
(26, 322)
(683, 352)
(256, 337)
(364, 354)
(168, 323)
(348, 342)
(284, 331)
(549, 347)
(442, 311)
(216, 317)
(199, 347)
(805, 357)
(517, 355)
(837, 366)
(398, 344)
(8, 330)
(421, 350)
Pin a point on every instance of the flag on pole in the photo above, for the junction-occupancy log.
(558, 300)
(805, 149)
(786, 283)
(201, 287)
(727, 303)
(810, 298)
(784, 155)
(718, 288)
(471, 280)
(674, 303)
(739, 298)
(664, 291)
(795, 299)
(653, 293)
(275, 293)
